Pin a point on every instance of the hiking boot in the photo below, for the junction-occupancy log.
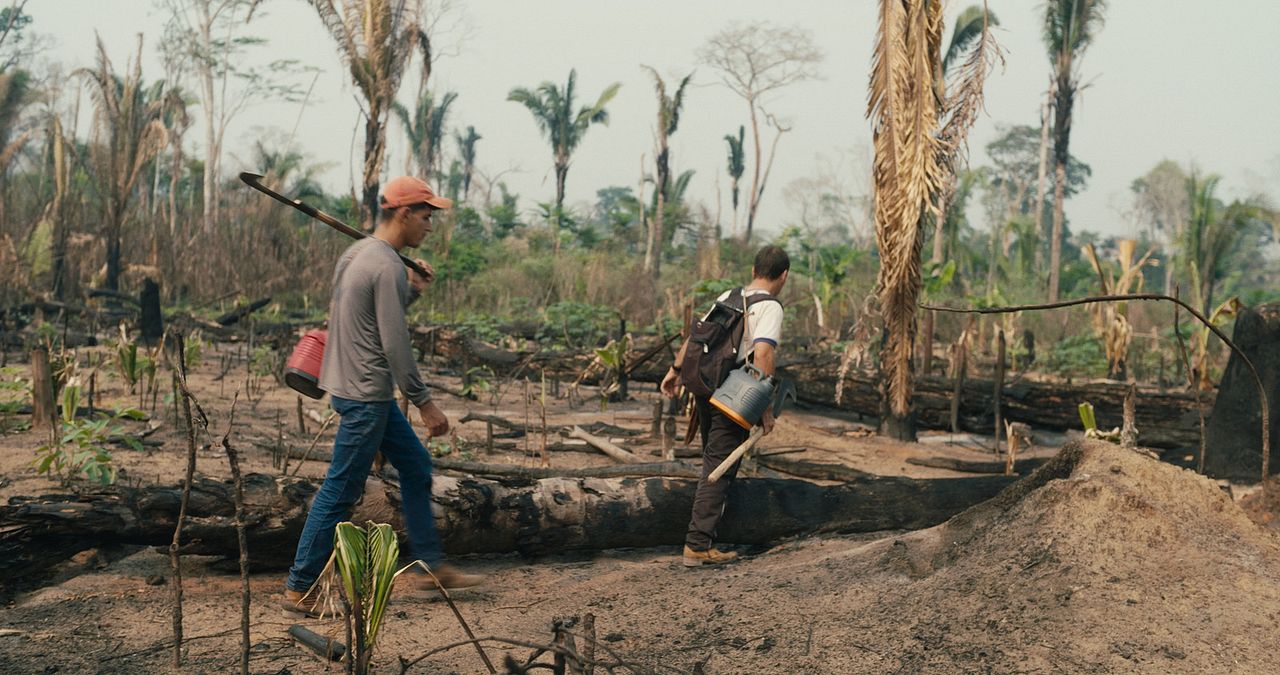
(299, 605)
(451, 578)
(710, 556)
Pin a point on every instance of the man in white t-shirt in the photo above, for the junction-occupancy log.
(762, 332)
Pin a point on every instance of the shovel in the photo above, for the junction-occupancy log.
(786, 389)
(254, 180)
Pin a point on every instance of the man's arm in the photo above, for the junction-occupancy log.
(671, 381)
(393, 333)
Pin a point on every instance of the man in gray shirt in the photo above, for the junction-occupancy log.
(367, 354)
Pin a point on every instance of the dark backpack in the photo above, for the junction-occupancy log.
(713, 343)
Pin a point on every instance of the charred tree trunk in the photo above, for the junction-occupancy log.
(1233, 436)
(481, 516)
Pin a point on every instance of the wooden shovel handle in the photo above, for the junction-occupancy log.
(756, 433)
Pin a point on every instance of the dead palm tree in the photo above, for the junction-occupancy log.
(128, 132)
(668, 120)
(467, 151)
(424, 130)
(917, 138)
(376, 39)
(1069, 28)
(552, 109)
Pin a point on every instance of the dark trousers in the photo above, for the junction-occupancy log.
(720, 437)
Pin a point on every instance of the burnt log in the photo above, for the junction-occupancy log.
(1233, 433)
(1165, 419)
(234, 316)
(1021, 466)
(480, 516)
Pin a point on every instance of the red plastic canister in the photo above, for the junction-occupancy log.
(302, 370)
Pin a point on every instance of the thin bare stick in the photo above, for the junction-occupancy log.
(1191, 380)
(1262, 390)
(465, 628)
(180, 378)
(327, 421)
(234, 460)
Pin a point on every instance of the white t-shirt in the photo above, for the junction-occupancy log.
(764, 322)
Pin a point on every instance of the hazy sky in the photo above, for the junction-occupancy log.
(1188, 81)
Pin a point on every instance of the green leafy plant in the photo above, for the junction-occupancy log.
(127, 361)
(80, 446)
(15, 392)
(363, 568)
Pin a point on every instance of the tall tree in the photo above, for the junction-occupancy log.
(207, 35)
(1069, 28)
(755, 60)
(424, 129)
(668, 120)
(1162, 201)
(376, 39)
(467, 151)
(737, 167)
(916, 143)
(552, 109)
(128, 133)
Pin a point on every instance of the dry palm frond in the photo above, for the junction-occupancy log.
(917, 136)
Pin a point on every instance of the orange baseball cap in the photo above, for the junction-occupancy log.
(409, 191)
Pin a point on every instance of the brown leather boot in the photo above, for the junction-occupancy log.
(710, 556)
(299, 605)
(451, 578)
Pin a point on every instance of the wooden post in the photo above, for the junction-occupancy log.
(1011, 448)
(93, 388)
(926, 344)
(961, 363)
(999, 381)
(1128, 431)
(302, 419)
(42, 403)
(669, 438)
(655, 429)
(622, 362)
(488, 437)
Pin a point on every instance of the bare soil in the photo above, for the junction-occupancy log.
(1104, 561)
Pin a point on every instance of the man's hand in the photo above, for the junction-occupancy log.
(418, 281)
(435, 421)
(670, 382)
(766, 421)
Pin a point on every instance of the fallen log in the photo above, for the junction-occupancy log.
(1021, 466)
(810, 470)
(479, 516)
(235, 315)
(604, 446)
(644, 470)
(1165, 418)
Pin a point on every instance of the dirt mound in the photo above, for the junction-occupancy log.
(1102, 560)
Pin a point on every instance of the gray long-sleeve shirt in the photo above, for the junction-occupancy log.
(367, 352)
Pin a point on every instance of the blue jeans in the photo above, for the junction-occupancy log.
(366, 428)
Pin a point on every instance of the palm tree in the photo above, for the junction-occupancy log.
(1069, 28)
(552, 109)
(968, 29)
(376, 39)
(1216, 234)
(129, 132)
(916, 143)
(467, 151)
(737, 166)
(668, 120)
(425, 131)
